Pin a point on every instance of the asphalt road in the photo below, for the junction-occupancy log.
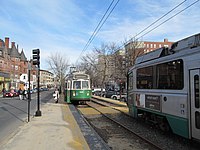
(14, 112)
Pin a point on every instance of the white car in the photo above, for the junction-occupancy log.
(117, 97)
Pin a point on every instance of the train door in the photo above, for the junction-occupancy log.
(68, 91)
(195, 103)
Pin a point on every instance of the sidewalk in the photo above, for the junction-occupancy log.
(56, 129)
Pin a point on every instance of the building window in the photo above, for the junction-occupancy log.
(1, 53)
(160, 45)
(154, 45)
(147, 45)
(166, 45)
(24, 77)
(16, 68)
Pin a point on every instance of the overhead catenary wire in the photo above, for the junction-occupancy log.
(160, 18)
(99, 26)
(169, 18)
(103, 23)
(154, 22)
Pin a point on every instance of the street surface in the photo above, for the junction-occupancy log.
(14, 112)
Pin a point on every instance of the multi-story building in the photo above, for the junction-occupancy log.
(46, 79)
(115, 66)
(111, 68)
(12, 64)
(13, 67)
(135, 48)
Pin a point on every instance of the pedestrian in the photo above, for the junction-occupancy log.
(20, 93)
(24, 94)
(56, 95)
(3, 91)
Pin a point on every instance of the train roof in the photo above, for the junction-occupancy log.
(78, 75)
(186, 43)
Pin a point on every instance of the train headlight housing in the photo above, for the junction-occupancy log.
(74, 93)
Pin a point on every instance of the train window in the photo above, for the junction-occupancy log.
(66, 85)
(170, 75)
(85, 85)
(197, 119)
(130, 81)
(163, 76)
(69, 85)
(196, 91)
(77, 85)
(145, 78)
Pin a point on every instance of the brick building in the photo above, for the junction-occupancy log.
(134, 49)
(13, 64)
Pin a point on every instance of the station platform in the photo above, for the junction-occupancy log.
(59, 128)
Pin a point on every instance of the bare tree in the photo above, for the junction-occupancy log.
(133, 49)
(59, 65)
(89, 65)
(99, 64)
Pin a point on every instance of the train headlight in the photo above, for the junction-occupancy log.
(74, 94)
(87, 94)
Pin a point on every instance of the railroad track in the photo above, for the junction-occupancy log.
(126, 138)
(148, 134)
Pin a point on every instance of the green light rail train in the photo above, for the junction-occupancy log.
(77, 88)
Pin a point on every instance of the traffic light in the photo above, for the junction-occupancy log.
(36, 57)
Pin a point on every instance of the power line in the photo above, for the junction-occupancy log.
(100, 24)
(160, 18)
(169, 18)
(103, 23)
(155, 22)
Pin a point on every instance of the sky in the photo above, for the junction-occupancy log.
(65, 26)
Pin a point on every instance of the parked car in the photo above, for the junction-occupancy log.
(45, 89)
(109, 93)
(34, 90)
(15, 93)
(8, 94)
(97, 92)
(117, 97)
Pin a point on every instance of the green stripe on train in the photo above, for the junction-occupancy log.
(76, 95)
(178, 125)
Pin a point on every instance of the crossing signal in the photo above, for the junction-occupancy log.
(36, 57)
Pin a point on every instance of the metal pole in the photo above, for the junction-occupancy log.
(38, 112)
(29, 93)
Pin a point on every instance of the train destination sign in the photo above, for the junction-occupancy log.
(152, 102)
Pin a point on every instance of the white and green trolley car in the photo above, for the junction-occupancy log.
(77, 88)
(164, 87)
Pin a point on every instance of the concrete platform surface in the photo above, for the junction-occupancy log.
(56, 129)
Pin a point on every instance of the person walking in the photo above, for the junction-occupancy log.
(56, 93)
(3, 91)
(24, 94)
(20, 94)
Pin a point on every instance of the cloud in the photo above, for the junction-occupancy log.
(65, 26)
(174, 29)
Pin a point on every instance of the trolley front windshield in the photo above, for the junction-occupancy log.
(81, 84)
